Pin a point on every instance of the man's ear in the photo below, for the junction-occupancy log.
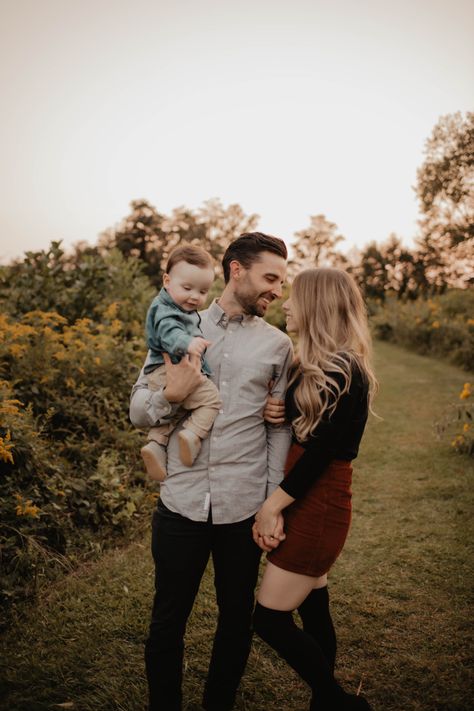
(236, 269)
(166, 280)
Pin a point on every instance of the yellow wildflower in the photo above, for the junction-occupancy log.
(466, 427)
(26, 508)
(470, 321)
(5, 448)
(17, 349)
(115, 327)
(465, 392)
(435, 324)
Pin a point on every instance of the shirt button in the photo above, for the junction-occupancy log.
(221, 412)
(224, 382)
(226, 355)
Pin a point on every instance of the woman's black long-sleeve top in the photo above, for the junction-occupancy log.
(337, 437)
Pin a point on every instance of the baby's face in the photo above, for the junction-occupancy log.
(188, 285)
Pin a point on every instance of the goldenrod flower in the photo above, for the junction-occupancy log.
(26, 508)
(5, 448)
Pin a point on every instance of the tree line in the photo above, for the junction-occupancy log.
(442, 257)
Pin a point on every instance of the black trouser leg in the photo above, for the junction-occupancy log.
(236, 559)
(181, 549)
(301, 652)
(317, 622)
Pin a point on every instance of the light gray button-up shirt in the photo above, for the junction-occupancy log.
(242, 460)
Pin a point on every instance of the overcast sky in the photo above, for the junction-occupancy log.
(290, 108)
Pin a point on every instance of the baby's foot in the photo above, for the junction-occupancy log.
(154, 456)
(189, 446)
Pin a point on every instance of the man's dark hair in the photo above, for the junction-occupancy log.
(247, 248)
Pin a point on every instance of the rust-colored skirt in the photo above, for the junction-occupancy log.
(316, 525)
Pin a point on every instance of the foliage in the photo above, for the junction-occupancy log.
(150, 236)
(458, 422)
(445, 184)
(67, 453)
(78, 285)
(441, 326)
(316, 246)
(390, 267)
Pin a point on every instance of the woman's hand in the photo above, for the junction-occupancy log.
(268, 527)
(274, 411)
(268, 543)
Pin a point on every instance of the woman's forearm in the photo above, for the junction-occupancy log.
(277, 501)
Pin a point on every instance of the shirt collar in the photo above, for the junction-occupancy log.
(220, 318)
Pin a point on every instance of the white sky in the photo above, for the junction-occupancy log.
(290, 108)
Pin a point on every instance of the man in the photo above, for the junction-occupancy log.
(209, 508)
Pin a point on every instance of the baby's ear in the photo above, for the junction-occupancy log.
(166, 279)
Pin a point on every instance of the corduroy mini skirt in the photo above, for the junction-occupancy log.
(316, 525)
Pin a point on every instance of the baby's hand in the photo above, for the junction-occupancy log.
(198, 345)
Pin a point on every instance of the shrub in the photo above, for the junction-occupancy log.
(442, 326)
(69, 481)
(458, 423)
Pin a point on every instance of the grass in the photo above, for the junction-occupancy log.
(400, 591)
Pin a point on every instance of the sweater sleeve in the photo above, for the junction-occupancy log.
(336, 438)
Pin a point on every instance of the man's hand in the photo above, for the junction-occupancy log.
(274, 411)
(182, 378)
(197, 346)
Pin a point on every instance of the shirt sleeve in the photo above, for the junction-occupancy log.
(278, 436)
(173, 336)
(323, 446)
(149, 407)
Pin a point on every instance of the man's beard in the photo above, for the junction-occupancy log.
(250, 305)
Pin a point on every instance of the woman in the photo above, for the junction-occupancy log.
(327, 403)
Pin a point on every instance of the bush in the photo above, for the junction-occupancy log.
(441, 326)
(458, 423)
(69, 483)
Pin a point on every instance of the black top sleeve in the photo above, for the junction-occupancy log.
(337, 437)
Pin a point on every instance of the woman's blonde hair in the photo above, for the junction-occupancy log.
(333, 337)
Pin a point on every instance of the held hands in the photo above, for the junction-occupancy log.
(197, 346)
(183, 377)
(267, 530)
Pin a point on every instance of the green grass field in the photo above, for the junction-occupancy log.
(401, 591)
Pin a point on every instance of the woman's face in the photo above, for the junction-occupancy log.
(291, 325)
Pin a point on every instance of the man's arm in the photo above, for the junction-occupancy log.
(149, 407)
(278, 436)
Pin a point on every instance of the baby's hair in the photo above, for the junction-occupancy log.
(190, 253)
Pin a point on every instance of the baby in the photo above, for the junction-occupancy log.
(172, 326)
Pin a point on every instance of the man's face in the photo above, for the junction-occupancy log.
(259, 285)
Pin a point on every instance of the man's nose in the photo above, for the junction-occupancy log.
(277, 291)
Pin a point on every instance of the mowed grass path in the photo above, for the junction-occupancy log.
(400, 592)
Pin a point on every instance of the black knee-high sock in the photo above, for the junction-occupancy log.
(299, 649)
(317, 622)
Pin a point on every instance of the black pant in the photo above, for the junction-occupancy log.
(181, 550)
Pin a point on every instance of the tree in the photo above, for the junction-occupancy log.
(390, 267)
(315, 246)
(150, 236)
(445, 188)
